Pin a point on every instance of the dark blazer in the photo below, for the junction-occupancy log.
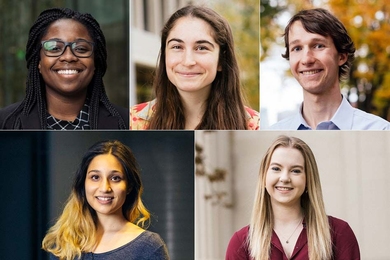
(31, 121)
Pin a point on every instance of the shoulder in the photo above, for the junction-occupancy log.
(140, 115)
(345, 244)
(152, 246)
(253, 118)
(238, 246)
(152, 238)
(366, 121)
(6, 111)
(285, 124)
(336, 223)
(108, 121)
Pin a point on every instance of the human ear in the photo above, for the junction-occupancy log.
(39, 66)
(343, 57)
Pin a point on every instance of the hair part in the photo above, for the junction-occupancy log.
(225, 105)
(317, 224)
(75, 230)
(322, 22)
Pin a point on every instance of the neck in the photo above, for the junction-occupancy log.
(64, 108)
(320, 108)
(284, 215)
(111, 224)
(194, 109)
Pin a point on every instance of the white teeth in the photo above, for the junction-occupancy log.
(284, 188)
(67, 72)
(104, 198)
(311, 72)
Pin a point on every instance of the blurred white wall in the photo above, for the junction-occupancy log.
(355, 177)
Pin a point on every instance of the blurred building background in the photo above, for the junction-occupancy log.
(354, 173)
(149, 16)
(16, 18)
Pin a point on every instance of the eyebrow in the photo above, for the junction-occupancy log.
(197, 42)
(294, 166)
(58, 39)
(312, 40)
(111, 172)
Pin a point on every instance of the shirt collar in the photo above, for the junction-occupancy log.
(146, 110)
(341, 120)
(80, 123)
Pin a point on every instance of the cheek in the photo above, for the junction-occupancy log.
(171, 60)
(269, 182)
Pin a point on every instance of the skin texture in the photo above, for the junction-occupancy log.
(106, 179)
(286, 179)
(192, 57)
(314, 61)
(62, 86)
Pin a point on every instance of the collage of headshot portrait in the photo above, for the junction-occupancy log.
(124, 129)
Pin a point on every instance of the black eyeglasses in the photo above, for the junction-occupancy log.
(55, 48)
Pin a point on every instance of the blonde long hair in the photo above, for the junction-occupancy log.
(317, 224)
(75, 230)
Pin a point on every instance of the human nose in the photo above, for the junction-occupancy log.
(105, 186)
(189, 59)
(307, 56)
(68, 54)
(284, 177)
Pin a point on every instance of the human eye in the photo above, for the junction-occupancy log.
(116, 178)
(53, 46)
(176, 47)
(319, 46)
(296, 171)
(202, 48)
(82, 47)
(94, 177)
(295, 48)
(275, 168)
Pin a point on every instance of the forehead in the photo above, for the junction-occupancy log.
(190, 28)
(105, 161)
(288, 156)
(298, 33)
(67, 30)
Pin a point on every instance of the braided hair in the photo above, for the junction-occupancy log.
(35, 86)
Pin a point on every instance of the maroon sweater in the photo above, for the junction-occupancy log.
(345, 245)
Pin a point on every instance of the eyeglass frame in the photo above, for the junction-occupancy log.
(70, 46)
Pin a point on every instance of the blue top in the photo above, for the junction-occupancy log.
(345, 118)
(147, 245)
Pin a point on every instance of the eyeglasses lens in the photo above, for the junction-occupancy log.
(79, 48)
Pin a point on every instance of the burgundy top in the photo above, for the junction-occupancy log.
(345, 245)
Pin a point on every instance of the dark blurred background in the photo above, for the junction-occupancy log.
(38, 169)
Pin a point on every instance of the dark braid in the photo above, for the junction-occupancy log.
(35, 86)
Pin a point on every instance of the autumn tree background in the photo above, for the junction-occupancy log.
(368, 23)
(243, 17)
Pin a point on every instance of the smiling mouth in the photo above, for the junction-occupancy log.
(67, 72)
(310, 72)
(105, 198)
(283, 188)
(188, 73)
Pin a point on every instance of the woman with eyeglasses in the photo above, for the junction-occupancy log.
(66, 60)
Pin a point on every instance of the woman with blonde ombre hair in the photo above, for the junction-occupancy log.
(104, 217)
(288, 217)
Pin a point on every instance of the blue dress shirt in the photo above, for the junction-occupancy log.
(345, 118)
